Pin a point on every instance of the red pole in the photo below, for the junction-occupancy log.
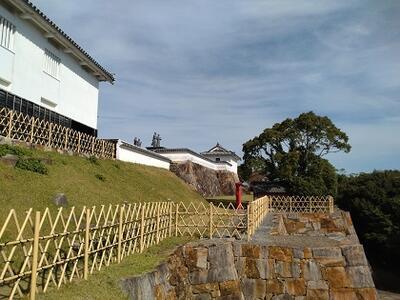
(238, 186)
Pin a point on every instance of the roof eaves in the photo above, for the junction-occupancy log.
(108, 75)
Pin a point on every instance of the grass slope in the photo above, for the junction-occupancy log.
(87, 182)
(105, 284)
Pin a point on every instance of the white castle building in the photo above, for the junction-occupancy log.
(43, 72)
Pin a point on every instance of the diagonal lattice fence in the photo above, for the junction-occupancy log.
(42, 250)
(21, 127)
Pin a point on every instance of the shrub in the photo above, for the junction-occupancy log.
(94, 160)
(100, 177)
(14, 150)
(32, 164)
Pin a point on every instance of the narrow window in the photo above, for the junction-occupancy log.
(7, 31)
(51, 64)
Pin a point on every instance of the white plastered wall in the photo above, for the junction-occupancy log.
(74, 93)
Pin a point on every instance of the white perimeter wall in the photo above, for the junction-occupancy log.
(137, 157)
(182, 157)
(76, 91)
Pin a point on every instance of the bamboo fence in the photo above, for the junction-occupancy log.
(21, 127)
(42, 250)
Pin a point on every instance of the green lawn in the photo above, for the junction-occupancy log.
(105, 284)
(88, 183)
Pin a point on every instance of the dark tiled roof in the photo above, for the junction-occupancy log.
(142, 150)
(66, 36)
(186, 150)
(221, 151)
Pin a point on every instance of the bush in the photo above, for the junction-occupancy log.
(94, 160)
(14, 150)
(32, 164)
(100, 177)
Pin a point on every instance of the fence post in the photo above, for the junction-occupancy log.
(290, 204)
(120, 231)
(86, 249)
(142, 229)
(158, 223)
(50, 134)
(93, 143)
(66, 139)
(170, 219)
(211, 220)
(248, 221)
(311, 209)
(35, 256)
(32, 129)
(176, 218)
(102, 149)
(79, 142)
(331, 208)
(10, 124)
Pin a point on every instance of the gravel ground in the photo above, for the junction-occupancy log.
(388, 296)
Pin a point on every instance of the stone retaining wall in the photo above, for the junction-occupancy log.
(230, 269)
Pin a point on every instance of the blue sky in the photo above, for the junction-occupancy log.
(204, 71)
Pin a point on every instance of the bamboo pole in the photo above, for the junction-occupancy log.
(10, 124)
(79, 142)
(120, 232)
(176, 218)
(331, 204)
(66, 139)
(142, 229)
(211, 221)
(50, 134)
(248, 221)
(35, 255)
(86, 249)
(93, 143)
(32, 129)
(158, 223)
(170, 219)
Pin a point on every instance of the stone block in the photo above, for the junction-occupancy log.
(298, 253)
(311, 271)
(283, 297)
(202, 297)
(367, 294)
(197, 277)
(251, 251)
(283, 269)
(274, 286)
(336, 277)
(231, 287)
(326, 252)
(280, 253)
(60, 200)
(329, 257)
(317, 294)
(9, 159)
(355, 255)
(254, 268)
(237, 249)
(296, 287)
(253, 288)
(221, 263)
(360, 277)
(343, 294)
(317, 285)
(205, 288)
(196, 258)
